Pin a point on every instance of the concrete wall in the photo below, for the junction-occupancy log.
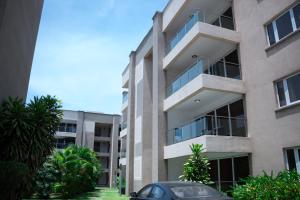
(270, 130)
(19, 23)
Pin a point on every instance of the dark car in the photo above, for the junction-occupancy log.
(178, 191)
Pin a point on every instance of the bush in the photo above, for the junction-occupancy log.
(285, 186)
(196, 169)
(74, 170)
(12, 175)
(27, 135)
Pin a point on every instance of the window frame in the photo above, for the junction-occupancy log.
(296, 157)
(274, 25)
(286, 91)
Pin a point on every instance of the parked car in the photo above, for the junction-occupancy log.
(178, 191)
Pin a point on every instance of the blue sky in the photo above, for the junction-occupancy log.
(83, 47)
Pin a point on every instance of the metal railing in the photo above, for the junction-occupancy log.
(198, 16)
(218, 68)
(208, 125)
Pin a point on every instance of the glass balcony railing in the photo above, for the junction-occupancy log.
(122, 154)
(125, 97)
(225, 21)
(208, 125)
(123, 125)
(220, 68)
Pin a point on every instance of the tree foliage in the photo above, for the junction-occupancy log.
(71, 171)
(286, 185)
(27, 133)
(196, 169)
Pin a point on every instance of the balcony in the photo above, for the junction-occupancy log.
(125, 77)
(216, 147)
(208, 125)
(201, 36)
(123, 132)
(220, 68)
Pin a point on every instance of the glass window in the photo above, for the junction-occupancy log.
(237, 118)
(293, 84)
(226, 174)
(145, 192)
(156, 193)
(62, 127)
(232, 57)
(241, 168)
(223, 121)
(297, 15)
(195, 191)
(281, 94)
(291, 159)
(284, 25)
(271, 34)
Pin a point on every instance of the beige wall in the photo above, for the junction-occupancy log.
(19, 23)
(270, 130)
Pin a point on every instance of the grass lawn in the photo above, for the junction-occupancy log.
(98, 194)
(103, 194)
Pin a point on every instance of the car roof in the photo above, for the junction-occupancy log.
(177, 183)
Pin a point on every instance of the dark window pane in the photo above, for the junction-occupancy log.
(294, 88)
(291, 159)
(241, 168)
(62, 127)
(233, 71)
(217, 22)
(227, 22)
(226, 174)
(237, 118)
(233, 57)
(284, 25)
(210, 124)
(297, 15)
(228, 12)
(271, 34)
(281, 96)
(218, 69)
(213, 170)
(223, 121)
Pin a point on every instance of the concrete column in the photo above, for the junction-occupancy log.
(130, 125)
(114, 151)
(88, 134)
(79, 128)
(147, 121)
(159, 165)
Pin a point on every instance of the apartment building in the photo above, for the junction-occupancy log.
(96, 131)
(19, 23)
(222, 73)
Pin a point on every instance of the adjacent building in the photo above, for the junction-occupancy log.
(97, 131)
(19, 24)
(222, 73)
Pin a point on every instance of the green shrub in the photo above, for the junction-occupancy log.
(196, 169)
(285, 186)
(72, 171)
(12, 175)
(27, 135)
(45, 179)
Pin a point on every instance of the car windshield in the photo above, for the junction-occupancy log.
(194, 191)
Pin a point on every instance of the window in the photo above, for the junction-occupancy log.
(292, 157)
(67, 127)
(145, 192)
(288, 90)
(285, 24)
(156, 193)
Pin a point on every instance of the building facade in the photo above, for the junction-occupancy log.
(97, 131)
(221, 73)
(19, 23)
